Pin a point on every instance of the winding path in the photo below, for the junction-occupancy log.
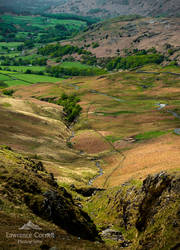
(161, 106)
(119, 165)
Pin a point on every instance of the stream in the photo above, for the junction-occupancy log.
(174, 114)
(98, 165)
(72, 85)
(100, 173)
(104, 94)
(161, 106)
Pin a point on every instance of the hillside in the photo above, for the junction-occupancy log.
(28, 192)
(128, 129)
(89, 127)
(119, 35)
(143, 215)
(120, 122)
(35, 211)
(35, 128)
(106, 8)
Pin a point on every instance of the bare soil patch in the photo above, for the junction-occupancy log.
(90, 142)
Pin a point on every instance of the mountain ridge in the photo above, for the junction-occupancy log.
(105, 9)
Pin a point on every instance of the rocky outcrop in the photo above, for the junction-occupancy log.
(58, 206)
(26, 182)
(153, 188)
(148, 215)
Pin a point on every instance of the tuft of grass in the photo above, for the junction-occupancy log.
(6, 105)
(112, 138)
(150, 135)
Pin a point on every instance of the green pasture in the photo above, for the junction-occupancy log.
(16, 78)
(150, 135)
(75, 65)
(24, 68)
(10, 44)
(40, 22)
(37, 78)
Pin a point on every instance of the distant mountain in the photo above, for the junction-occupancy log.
(96, 8)
(32, 6)
(106, 8)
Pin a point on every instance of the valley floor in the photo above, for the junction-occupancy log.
(125, 132)
(121, 124)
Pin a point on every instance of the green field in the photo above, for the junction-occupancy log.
(150, 135)
(10, 44)
(24, 68)
(40, 21)
(75, 65)
(39, 29)
(8, 79)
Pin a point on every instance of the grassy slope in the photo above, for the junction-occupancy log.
(35, 128)
(105, 124)
(18, 78)
(135, 115)
(24, 68)
(22, 178)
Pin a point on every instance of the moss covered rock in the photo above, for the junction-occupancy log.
(147, 214)
(24, 181)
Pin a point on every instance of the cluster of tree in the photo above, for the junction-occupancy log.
(139, 52)
(9, 61)
(29, 71)
(6, 28)
(95, 45)
(89, 59)
(3, 84)
(8, 92)
(57, 50)
(57, 33)
(134, 61)
(7, 31)
(28, 44)
(60, 71)
(71, 107)
(39, 35)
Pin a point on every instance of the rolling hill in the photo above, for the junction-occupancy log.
(119, 35)
(89, 126)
